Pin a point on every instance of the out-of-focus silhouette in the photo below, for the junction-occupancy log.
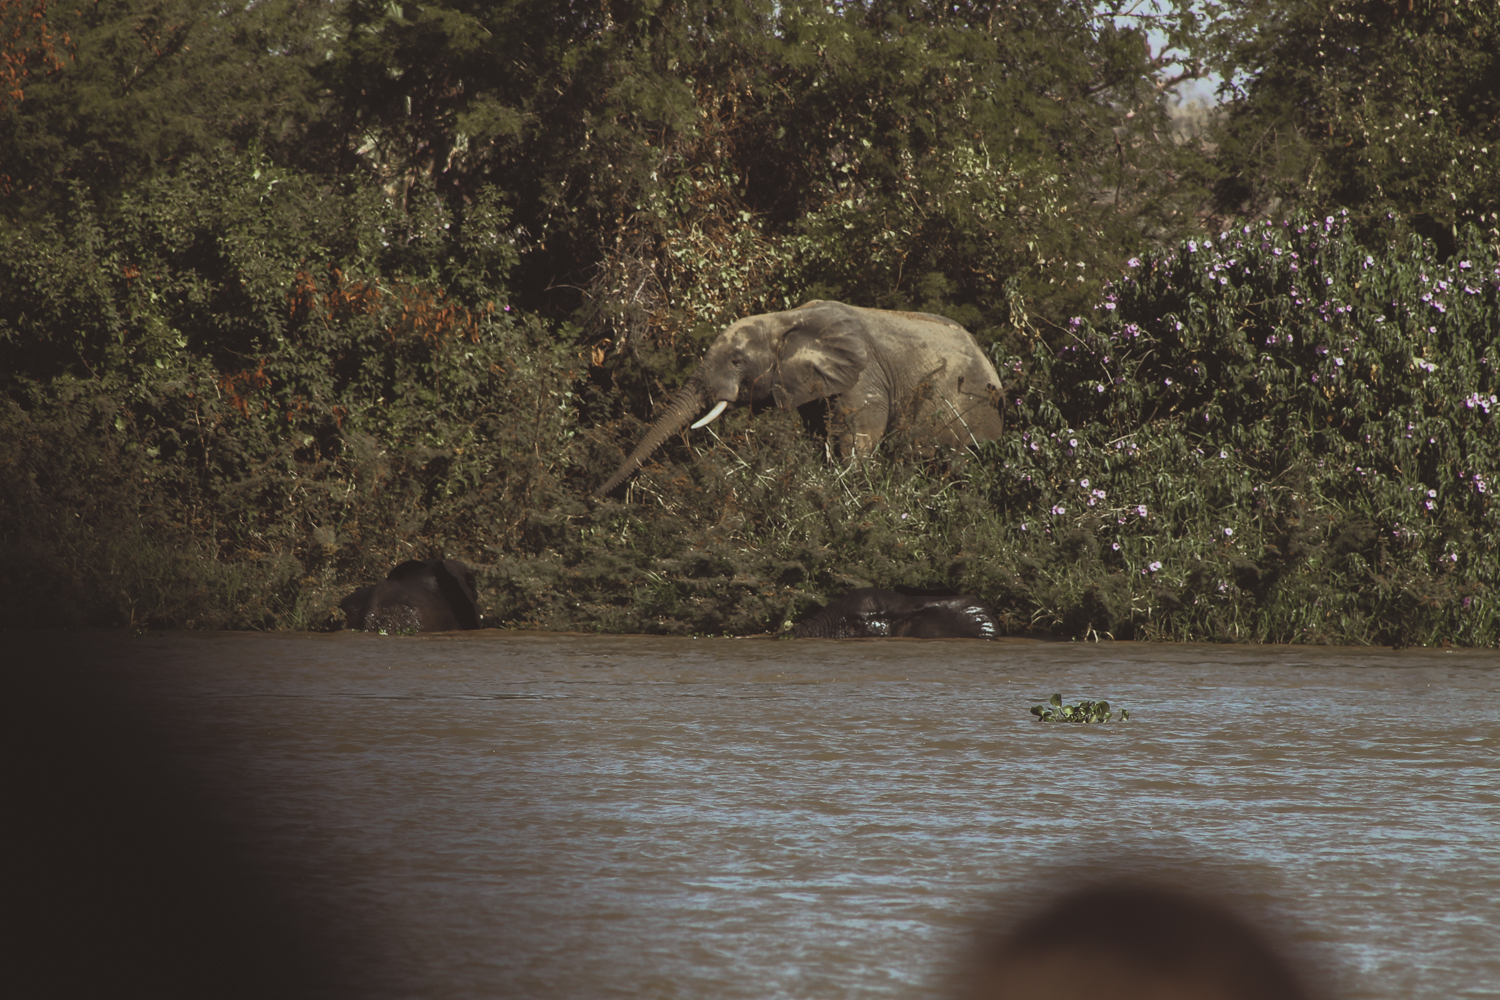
(1131, 942)
(117, 879)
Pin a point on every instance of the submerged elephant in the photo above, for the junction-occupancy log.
(870, 613)
(880, 371)
(420, 595)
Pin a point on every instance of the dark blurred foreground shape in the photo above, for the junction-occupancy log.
(120, 877)
(1130, 942)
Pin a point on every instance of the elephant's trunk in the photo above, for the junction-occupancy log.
(680, 409)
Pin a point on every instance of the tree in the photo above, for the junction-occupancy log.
(671, 163)
(153, 82)
(27, 40)
(1376, 105)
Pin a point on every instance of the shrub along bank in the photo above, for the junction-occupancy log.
(1277, 434)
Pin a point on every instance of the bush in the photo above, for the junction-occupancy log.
(1278, 435)
(218, 417)
(1275, 435)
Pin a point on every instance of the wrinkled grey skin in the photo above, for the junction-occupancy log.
(879, 370)
(427, 595)
(870, 613)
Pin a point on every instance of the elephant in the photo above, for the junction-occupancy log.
(871, 613)
(878, 371)
(419, 595)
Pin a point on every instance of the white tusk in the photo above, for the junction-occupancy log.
(713, 414)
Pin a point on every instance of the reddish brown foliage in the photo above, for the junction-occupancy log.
(404, 308)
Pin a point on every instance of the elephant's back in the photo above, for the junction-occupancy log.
(950, 349)
(959, 371)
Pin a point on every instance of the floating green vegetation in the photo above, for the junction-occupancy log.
(1083, 711)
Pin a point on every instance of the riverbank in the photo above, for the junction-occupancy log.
(1276, 435)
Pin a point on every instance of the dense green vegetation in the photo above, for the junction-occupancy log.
(290, 292)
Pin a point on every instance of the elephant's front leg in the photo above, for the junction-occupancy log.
(858, 425)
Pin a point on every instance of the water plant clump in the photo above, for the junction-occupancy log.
(1080, 712)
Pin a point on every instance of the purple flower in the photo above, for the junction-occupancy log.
(1133, 262)
(1058, 509)
(1140, 510)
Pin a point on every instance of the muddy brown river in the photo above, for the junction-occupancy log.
(553, 816)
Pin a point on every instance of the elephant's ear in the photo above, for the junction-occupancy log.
(822, 354)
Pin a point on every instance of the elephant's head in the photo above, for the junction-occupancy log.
(789, 358)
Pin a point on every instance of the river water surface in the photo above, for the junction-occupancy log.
(524, 815)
